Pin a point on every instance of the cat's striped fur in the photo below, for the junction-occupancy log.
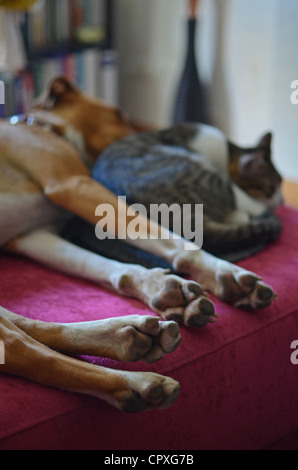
(195, 164)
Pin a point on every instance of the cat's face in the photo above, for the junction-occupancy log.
(253, 171)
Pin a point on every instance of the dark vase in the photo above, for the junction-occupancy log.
(190, 103)
(2, 111)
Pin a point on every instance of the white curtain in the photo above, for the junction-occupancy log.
(12, 51)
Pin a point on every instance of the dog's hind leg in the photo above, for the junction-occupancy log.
(129, 339)
(128, 391)
(170, 296)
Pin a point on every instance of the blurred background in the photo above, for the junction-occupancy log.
(132, 53)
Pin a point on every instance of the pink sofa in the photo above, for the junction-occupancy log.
(239, 386)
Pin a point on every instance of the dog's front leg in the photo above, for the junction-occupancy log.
(128, 391)
(170, 296)
(227, 281)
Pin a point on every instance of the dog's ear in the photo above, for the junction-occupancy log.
(58, 91)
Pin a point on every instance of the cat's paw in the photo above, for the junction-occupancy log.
(244, 289)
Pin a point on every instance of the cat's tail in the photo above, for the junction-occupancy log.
(237, 242)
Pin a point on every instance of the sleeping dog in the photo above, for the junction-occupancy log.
(45, 161)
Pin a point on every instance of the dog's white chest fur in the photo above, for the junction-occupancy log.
(20, 214)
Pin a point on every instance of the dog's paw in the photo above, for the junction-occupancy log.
(182, 301)
(171, 297)
(225, 280)
(244, 289)
(143, 338)
(145, 391)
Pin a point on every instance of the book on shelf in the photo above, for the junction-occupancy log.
(93, 70)
(64, 37)
(64, 22)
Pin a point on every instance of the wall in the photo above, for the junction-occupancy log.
(149, 37)
(262, 40)
(247, 55)
(12, 52)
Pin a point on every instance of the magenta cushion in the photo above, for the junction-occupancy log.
(239, 387)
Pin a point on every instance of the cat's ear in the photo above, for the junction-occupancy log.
(265, 141)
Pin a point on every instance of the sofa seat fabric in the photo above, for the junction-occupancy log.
(238, 384)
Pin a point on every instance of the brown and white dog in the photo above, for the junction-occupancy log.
(44, 177)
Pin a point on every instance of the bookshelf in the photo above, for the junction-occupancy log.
(64, 37)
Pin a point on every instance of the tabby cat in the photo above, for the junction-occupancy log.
(194, 164)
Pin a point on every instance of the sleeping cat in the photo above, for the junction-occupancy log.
(195, 164)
